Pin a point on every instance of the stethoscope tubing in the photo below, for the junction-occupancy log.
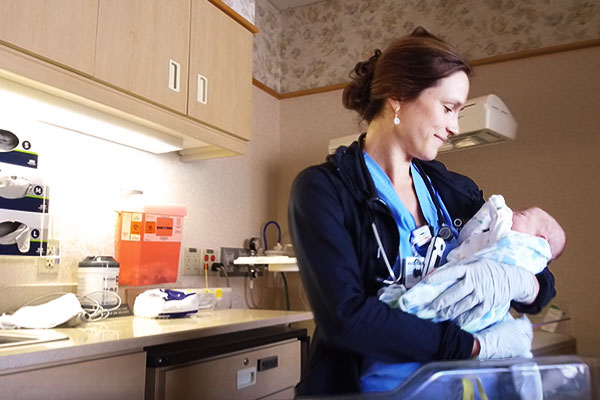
(443, 232)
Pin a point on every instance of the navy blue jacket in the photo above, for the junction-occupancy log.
(332, 207)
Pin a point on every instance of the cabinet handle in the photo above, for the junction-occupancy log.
(202, 92)
(174, 75)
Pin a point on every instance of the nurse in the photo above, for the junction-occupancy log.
(354, 221)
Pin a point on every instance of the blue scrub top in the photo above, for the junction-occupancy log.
(404, 219)
(376, 375)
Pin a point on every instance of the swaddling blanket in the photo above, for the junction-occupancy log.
(486, 236)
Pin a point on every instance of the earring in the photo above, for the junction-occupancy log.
(396, 119)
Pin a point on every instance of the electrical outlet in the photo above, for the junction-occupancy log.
(208, 257)
(53, 249)
(192, 261)
(48, 264)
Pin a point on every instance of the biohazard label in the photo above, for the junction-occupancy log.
(131, 226)
(150, 227)
(163, 228)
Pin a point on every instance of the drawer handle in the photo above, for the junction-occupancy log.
(174, 75)
(246, 377)
(268, 363)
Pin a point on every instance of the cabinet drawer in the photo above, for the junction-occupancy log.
(248, 374)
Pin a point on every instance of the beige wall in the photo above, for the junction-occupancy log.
(554, 162)
(228, 200)
(307, 125)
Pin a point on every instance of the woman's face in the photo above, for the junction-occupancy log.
(428, 120)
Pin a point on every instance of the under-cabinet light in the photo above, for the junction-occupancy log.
(16, 99)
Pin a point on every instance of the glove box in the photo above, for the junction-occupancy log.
(23, 233)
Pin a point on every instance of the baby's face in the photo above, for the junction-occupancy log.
(537, 222)
(527, 221)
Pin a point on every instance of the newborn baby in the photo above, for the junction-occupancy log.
(534, 240)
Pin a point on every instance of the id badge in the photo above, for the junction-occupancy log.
(420, 236)
(435, 252)
(413, 270)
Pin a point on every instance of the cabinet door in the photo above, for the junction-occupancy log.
(119, 377)
(142, 47)
(220, 70)
(63, 31)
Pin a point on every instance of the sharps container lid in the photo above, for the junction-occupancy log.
(99, 262)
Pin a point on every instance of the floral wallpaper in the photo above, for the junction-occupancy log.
(267, 45)
(245, 8)
(318, 45)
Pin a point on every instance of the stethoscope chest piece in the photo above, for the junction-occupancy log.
(445, 233)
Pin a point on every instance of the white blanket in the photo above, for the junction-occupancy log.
(488, 236)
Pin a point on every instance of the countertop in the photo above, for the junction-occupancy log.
(550, 343)
(122, 335)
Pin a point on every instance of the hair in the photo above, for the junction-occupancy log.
(406, 68)
(557, 237)
(560, 238)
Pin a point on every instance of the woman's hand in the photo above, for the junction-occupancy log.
(508, 338)
(480, 286)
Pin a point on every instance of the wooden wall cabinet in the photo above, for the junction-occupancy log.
(143, 46)
(220, 70)
(182, 67)
(63, 31)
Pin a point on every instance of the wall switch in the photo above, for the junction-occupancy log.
(192, 262)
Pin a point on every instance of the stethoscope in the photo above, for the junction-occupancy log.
(444, 231)
(436, 245)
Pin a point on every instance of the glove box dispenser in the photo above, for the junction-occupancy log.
(23, 233)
